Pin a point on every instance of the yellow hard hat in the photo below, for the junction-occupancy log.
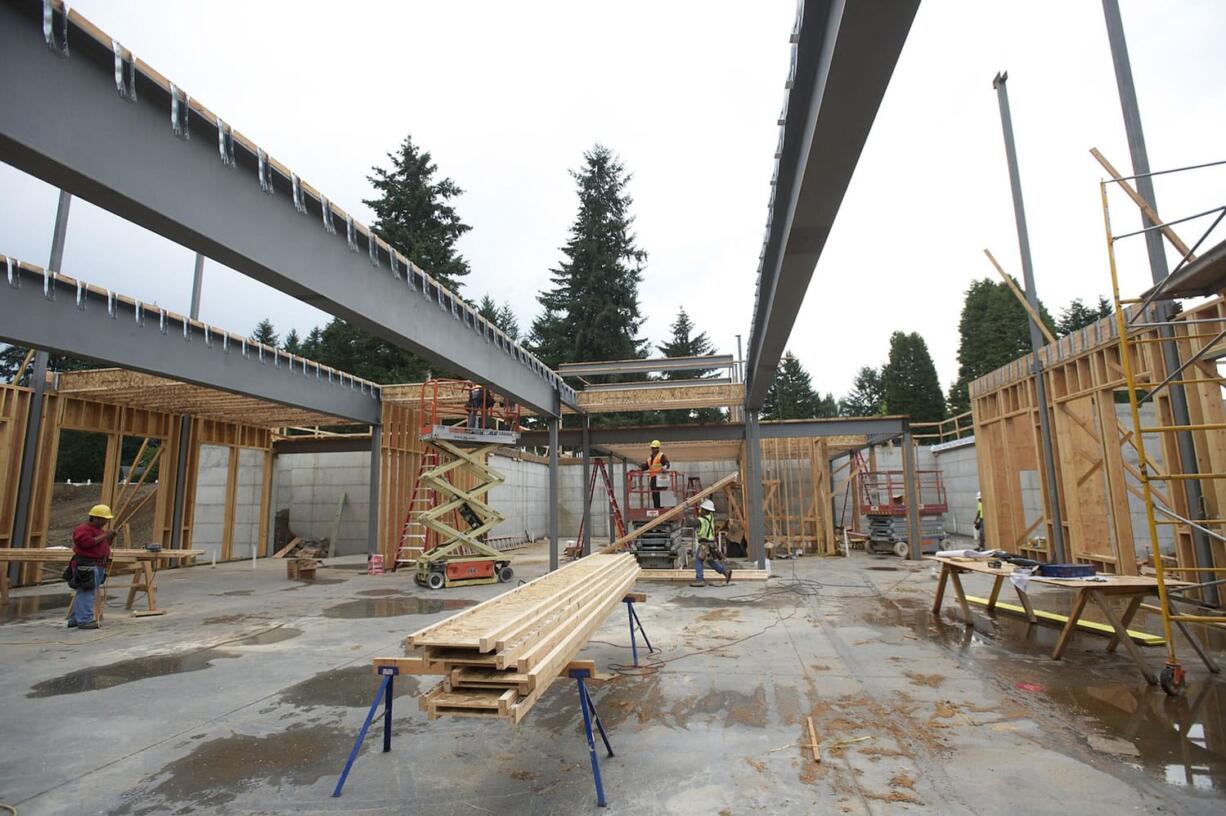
(101, 511)
(655, 443)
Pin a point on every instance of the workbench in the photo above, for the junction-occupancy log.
(142, 563)
(1133, 587)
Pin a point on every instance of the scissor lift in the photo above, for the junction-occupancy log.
(461, 556)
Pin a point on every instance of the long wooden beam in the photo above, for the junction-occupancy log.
(671, 514)
(1150, 212)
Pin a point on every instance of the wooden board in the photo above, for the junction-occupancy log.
(688, 575)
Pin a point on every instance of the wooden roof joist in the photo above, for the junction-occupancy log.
(645, 365)
(653, 397)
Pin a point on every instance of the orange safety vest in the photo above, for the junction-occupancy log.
(654, 464)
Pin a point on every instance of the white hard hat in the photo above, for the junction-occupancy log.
(978, 494)
(707, 504)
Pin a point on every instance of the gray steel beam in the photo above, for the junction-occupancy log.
(1158, 272)
(842, 61)
(372, 514)
(645, 366)
(553, 494)
(38, 384)
(64, 123)
(753, 492)
(95, 327)
(880, 427)
(1052, 493)
(586, 543)
(322, 444)
(654, 384)
(915, 530)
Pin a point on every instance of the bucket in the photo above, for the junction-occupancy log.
(374, 564)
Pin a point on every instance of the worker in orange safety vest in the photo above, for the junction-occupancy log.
(657, 464)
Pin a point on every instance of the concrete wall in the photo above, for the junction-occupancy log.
(208, 514)
(960, 473)
(523, 498)
(311, 484)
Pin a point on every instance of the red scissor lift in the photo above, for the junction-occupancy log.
(662, 546)
(883, 498)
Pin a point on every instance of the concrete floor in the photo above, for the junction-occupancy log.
(247, 696)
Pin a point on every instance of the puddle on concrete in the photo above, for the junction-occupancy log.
(306, 582)
(349, 687)
(393, 607)
(350, 567)
(96, 678)
(19, 609)
(278, 635)
(717, 599)
(233, 592)
(223, 619)
(885, 569)
(216, 772)
(377, 593)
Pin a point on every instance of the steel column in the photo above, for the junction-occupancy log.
(586, 543)
(1158, 272)
(1052, 494)
(626, 491)
(197, 285)
(185, 429)
(754, 500)
(38, 384)
(372, 513)
(553, 494)
(915, 530)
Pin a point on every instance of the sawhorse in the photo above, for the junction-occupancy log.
(636, 625)
(385, 693)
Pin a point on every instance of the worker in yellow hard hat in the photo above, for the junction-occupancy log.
(657, 464)
(91, 550)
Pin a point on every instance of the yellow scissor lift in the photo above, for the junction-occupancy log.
(1198, 344)
(461, 557)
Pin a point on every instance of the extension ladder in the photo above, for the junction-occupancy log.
(415, 537)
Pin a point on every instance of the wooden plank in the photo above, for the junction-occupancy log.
(813, 744)
(674, 575)
(284, 551)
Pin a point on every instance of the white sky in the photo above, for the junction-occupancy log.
(687, 94)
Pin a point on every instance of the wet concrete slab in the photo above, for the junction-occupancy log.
(391, 607)
(22, 609)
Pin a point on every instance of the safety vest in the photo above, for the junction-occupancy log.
(706, 528)
(656, 463)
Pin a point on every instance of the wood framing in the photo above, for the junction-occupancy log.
(657, 398)
(1094, 446)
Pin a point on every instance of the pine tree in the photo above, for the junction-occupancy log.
(592, 310)
(265, 333)
(413, 213)
(685, 343)
(1077, 315)
(866, 397)
(355, 351)
(791, 394)
(502, 317)
(909, 380)
(13, 356)
(292, 344)
(994, 330)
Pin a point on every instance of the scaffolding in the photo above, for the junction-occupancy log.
(1178, 355)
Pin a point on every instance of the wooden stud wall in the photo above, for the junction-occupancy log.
(14, 406)
(1085, 382)
(399, 458)
(796, 484)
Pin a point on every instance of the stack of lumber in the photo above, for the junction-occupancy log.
(498, 657)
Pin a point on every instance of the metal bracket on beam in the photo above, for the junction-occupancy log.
(372, 244)
(329, 226)
(225, 143)
(110, 305)
(180, 110)
(14, 278)
(58, 45)
(391, 256)
(299, 197)
(351, 233)
(48, 284)
(138, 313)
(125, 72)
(187, 336)
(161, 320)
(265, 170)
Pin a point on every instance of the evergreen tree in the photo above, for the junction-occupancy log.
(13, 356)
(292, 344)
(827, 407)
(791, 394)
(592, 310)
(265, 333)
(414, 214)
(909, 380)
(353, 350)
(502, 317)
(994, 330)
(1077, 315)
(685, 343)
(866, 397)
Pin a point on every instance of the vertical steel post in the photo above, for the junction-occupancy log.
(1158, 271)
(915, 530)
(626, 492)
(185, 430)
(609, 505)
(1036, 337)
(753, 491)
(38, 384)
(586, 543)
(372, 512)
(553, 493)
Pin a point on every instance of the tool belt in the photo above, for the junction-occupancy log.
(708, 552)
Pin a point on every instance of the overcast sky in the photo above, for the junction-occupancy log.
(508, 96)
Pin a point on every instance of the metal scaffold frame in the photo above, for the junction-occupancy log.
(1183, 353)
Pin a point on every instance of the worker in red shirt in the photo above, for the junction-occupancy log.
(91, 550)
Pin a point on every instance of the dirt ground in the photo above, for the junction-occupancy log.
(70, 506)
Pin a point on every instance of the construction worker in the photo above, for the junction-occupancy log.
(657, 463)
(978, 520)
(476, 406)
(91, 549)
(707, 550)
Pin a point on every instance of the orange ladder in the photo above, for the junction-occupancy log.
(415, 538)
(577, 548)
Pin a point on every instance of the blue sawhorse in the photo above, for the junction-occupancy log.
(385, 693)
(590, 715)
(636, 626)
